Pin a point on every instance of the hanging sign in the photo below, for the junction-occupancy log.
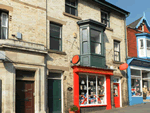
(75, 59)
(123, 66)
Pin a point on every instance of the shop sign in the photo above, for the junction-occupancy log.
(75, 59)
(123, 66)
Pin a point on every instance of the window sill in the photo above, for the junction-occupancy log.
(72, 16)
(57, 52)
(108, 28)
(93, 105)
(117, 62)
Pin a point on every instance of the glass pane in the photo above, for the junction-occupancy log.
(85, 47)
(55, 30)
(146, 87)
(141, 43)
(92, 89)
(54, 75)
(68, 1)
(82, 89)
(136, 87)
(4, 33)
(84, 34)
(95, 48)
(73, 11)
(135, 72)
(4, 20)
(116, 46)
(148, 43)
(55, 44)
(67, 9)
(73, 3)
(100, 90)
(116, 55)
(115, 90)
(95, 36)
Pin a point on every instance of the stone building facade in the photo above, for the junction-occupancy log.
(29, 62)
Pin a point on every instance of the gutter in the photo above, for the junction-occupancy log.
(126, 53)
(111, 6)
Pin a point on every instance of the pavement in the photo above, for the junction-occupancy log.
(140, 108)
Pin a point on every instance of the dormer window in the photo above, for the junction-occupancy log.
(141, 43)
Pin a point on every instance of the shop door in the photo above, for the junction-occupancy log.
(24, 96)
(116, 95)
(54, 95)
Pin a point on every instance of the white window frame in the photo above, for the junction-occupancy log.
(105, 95)
(4, 26)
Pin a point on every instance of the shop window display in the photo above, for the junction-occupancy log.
(93, 92)
(135, 87)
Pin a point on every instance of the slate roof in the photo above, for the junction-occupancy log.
(134, 24)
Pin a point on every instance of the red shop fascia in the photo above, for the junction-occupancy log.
(107, 73)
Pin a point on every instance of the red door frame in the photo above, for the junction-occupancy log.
(117, 99)
(81, 69)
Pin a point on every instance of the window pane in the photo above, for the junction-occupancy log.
(92, 89)
(135, 87)
(73, 11)
(135, 72)
(73, 3)
(55, 30)
(141, 43)
(85, 47)
(100, 90)
(116, 46)
(116, 55)
(4, 20)
(148, 43)
(95, 48)
(82, 89)
(68, 1)
(84, 35)
(95, 36)
(67, 9)
(4, 33)
(55, 44)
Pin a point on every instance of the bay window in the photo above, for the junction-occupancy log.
(92, 90)
(148, 47)
(92, 43)
(3, 25)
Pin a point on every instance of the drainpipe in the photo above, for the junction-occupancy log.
(126, 52)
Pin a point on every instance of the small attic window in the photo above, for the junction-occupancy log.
(142, 27)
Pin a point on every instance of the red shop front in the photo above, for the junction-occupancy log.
(92, 89)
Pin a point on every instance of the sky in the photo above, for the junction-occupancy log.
(135, 7)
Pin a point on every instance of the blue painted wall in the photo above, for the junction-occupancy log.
(147, 97)
(136, 100)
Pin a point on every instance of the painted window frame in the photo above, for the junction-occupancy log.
(118, 42)
(137, 77)
(71, 6)
(3, 26)
(95, 42)
(57, 38)
(105, 95)
(105, 19)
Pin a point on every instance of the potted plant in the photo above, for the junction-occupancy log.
(73, 109)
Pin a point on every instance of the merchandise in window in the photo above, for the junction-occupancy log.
(146, 83)
(92, 93)
(135, 87)
(95, 41)
(4, 25)
(71, 7)
(55, 36)
(105, 18)
(116, 50)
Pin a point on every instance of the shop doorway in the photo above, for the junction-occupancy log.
(54, 93)
(116, 93)
(24, 92)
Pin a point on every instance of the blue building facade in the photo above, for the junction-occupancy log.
(138, 70)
